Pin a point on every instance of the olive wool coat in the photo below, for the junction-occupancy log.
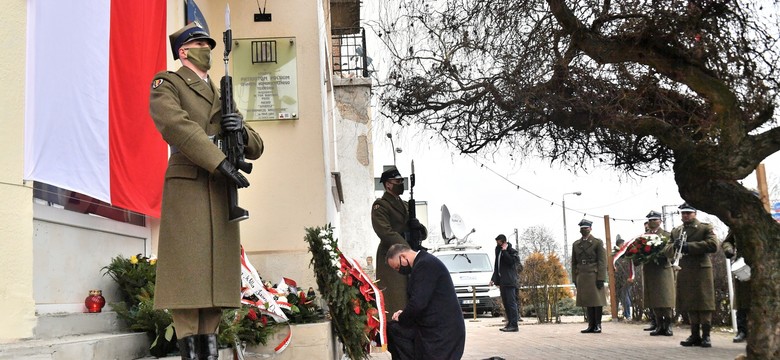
(695, 284)
(588, 264)
(389, 217)
(199, 250)
(658, 277)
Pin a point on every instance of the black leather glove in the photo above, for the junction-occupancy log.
(232, 122)
(729, 253)
(599, 284)
(230, 172)
(415, 224)
(685, 248)
(677, 244)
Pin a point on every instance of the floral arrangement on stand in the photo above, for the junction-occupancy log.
(252, 324)
(355, 304)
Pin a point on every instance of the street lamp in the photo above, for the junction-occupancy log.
(392, 146)
(565, 240)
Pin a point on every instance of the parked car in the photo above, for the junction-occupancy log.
(471, 269)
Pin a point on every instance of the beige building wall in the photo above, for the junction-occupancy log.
(16, 246)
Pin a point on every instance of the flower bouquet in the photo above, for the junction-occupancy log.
(646, 248)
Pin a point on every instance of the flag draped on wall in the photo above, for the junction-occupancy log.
(87, 126)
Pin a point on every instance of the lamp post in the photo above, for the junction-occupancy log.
(392, 145)
(565, 238)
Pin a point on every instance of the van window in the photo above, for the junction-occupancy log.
(459, 263)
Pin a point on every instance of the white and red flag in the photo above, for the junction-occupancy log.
(87, 127)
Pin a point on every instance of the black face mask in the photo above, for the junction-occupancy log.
(404, 269)
(584, 232)
(398, 189)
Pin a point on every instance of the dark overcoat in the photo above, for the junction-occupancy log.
(588, 264)
(658, 277)
(433, 308)
(741, 288)
(505, 266)
(199, 250)
(695, 284)
(389, 217)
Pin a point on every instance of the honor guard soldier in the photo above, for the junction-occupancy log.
(589, 271)
(693, 242)
(741, 288)
(390, 219)
(199, 269)
(658, 277)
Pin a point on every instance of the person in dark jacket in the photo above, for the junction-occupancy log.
(431, 326)
(505, 276)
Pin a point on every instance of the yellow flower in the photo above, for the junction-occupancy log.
(153, 261)
(134, 260)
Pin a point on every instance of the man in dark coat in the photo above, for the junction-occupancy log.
(741, 289)
(390, 219)
(589, 271)
(658, 277)
(431, 326)
(505, 276)
(199, 269)
(695, 240)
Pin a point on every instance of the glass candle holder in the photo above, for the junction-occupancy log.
(95, 301)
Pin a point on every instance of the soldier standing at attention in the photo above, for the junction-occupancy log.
(658, 278)
(589, 271)
(199, 270)
(390, 217)
(695, 284)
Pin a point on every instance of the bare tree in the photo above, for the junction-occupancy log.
(644, 86)
(537, 239)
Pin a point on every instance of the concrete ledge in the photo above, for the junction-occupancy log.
(308, 341)
(69, 324)
(87, 347)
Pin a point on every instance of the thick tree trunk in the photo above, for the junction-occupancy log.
(758, 240)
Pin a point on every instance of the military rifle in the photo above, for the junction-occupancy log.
(414, 234)
(232, 141)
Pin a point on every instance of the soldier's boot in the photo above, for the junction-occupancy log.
(597, 312)
(741, 326)
(591, 320)
(705, 335)
(694, 339)
(189, 347)
(660, 328)
(653, 323)
(209, 348)
(667, 327)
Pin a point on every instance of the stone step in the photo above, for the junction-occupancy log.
(69, 324)
(98, 346)
(224, 354)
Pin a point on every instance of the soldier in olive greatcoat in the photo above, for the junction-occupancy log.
(589, 271)
(390, 219)
(658, 277)
(695, 240)
(199, 269)
(741, 288)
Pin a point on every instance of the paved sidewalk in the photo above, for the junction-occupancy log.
(618, 341)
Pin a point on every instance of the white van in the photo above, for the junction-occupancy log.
(471, 269)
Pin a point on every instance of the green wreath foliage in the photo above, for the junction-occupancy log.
(341, 298)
